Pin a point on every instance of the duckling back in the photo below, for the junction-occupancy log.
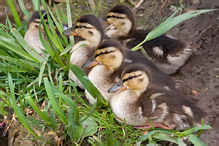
(180, 112)
(167, 52)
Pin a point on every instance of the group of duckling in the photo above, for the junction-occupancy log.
(138, 90)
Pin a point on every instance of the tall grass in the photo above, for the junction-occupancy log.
(41, 84)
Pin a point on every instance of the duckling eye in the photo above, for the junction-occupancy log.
(113, 16)
(101, 53)
(90, 32)
(130, 77)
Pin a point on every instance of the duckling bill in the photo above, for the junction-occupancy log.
(89, 28)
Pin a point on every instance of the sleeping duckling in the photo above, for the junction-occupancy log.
(167, 52)
(32, 36)
(139, 100)
(89, 28)
(109, 60)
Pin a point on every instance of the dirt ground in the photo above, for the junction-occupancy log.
(201, 71)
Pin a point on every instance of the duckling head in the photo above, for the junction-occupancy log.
(121, 20)
(89, 28)
(34, 21)
(134, 78)
(109, 53)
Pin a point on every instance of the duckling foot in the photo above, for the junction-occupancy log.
(156, 125)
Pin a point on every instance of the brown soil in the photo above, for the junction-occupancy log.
(201, 71)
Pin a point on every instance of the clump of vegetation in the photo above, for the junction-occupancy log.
(32, 83)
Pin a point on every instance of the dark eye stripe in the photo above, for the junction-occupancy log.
(113, 16)
(102, 53)
(81, 26)
(130, 77)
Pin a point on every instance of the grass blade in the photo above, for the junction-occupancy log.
(69, 19)
(196, 141)
(11, 45)
(22, 63)
(44, 115)
(72, 105)
(88, 85)
(15, 14)
(26, 12)
(17, 110)
(42, 68)
(53, 101)
(170, 23)
(36, 5)
(146, 136)
(194, 129)
(25, 45)
(53, 119)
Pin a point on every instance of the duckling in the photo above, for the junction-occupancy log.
(107, 58)
(32, 36)
(108, 62)
(167, 52)
(89, 28)
(140, 100)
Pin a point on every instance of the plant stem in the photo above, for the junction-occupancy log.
(15, 15)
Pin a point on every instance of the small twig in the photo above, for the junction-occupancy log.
(205, 30)
(203, 91)
(139, 3)
(163, 6)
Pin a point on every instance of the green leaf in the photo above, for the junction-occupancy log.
(24, 44)
(72, 105)
(42, 68)
(90, 127)
(13, 46)
(165, 137)
(67, 49)
(43, 114)
(22, 63)
(170, 23)
(26, 12)
(146, 136)
(47, 44)
(2, 95)
(69, 19)
(88, 85)
(60, 28)
(53, 101)
(17, 110)
(53, 119)
(15, 14)
(2, 109)
(36, 5)
(196, 141)
(74, 130)
(194, 129)
(91, 112)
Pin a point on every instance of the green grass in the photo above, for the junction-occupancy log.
(41, 84)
